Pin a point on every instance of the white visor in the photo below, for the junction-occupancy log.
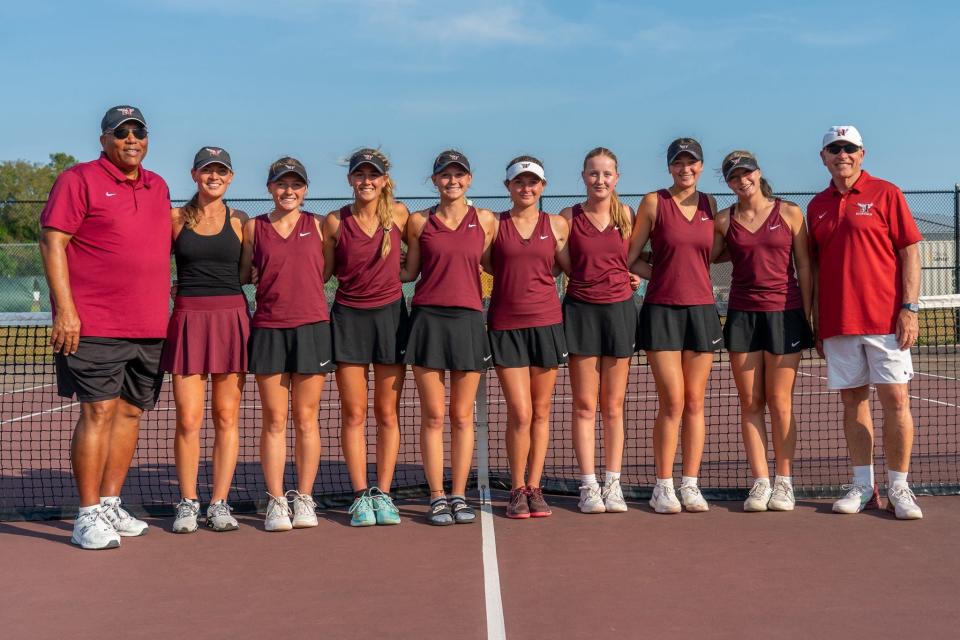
(526, 166)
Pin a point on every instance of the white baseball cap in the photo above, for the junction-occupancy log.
(842, 133)
(525, 166)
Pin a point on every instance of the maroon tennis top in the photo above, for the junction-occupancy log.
(681, 254)
(290, 289)
(598, 262)
(450, 263)
(366, 280)
(763, 272)
(524, 288)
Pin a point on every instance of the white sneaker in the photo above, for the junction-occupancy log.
(123, 523)
(185, 520)
(591, 500)
(693, 500)
(304, 510)
(92, 530)
(278, 514)
(612, 495)
(902, 502)
(782, 498)
(759, 496)
(664, 500)
(857, 498)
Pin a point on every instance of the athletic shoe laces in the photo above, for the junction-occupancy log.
(758, 489)
(277, 507)
(219, 509)
(782, 490)
(902, 494)
(854, 490)
(185, 509)
(361, 505)
(301, 502)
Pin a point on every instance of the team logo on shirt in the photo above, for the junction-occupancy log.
(125, 111)
(864, 209)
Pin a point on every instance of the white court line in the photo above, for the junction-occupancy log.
(39, 413)
(933, 375)
(493, 602)
(25, 389)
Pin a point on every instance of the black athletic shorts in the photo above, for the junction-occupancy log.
(108, 368)
(665, 327)
(777, 332)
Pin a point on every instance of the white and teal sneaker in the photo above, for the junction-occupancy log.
(858, 498)
(383, 507)
(361, 511)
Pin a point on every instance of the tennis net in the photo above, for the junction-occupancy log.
(36, 427)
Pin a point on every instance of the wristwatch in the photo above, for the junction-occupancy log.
(913, 307)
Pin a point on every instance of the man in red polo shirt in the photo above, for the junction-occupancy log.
(106, 252)
(864, 244)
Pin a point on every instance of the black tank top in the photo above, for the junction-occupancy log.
(208, 265)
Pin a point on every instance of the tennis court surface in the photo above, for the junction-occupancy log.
(806, 574)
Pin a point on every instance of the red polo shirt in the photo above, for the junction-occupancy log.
(855, 237)
(119, 257)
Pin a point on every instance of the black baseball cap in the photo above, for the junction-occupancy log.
(684, 145)
(366, 156)
(211, 155)
(284, 166)
(448, 157)
(738, 162)
(116, 116)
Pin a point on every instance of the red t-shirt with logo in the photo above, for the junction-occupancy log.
(119, 257)
(855, 237)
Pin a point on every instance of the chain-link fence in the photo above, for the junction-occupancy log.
(23, 287)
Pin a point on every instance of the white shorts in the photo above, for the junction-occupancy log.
(856, 361)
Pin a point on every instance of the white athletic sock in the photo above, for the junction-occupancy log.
(688, 480)
(105, 498)
(765, 481)
(863, 476)
(665, 482)
(610, 476)
(787, 479)
(588, 479)
(893, 477)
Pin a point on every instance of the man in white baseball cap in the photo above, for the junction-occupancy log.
(864, 243)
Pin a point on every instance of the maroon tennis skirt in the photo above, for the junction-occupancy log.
(207, 334)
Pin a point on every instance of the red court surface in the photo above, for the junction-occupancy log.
(723, 574)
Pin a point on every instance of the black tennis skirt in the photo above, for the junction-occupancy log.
(448, 338)
(544, 347)
(600, 329)
(776, 332)
(307, 349)
(370, 336)
(665, 327)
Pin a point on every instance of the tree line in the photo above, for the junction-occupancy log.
(20, 182)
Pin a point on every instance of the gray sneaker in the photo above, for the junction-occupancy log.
(219, 518)
(304, 510)
(185, 520)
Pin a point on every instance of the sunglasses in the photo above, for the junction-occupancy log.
(121, 133)
(836, 148)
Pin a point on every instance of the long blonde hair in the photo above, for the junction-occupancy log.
(385, 202)
(765, 187)
(618, 212)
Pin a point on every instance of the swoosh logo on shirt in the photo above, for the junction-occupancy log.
(305, 234)
(471, 226)
(703, 219)
(776, 227)
(821, 216)
(544, 237)
(109, 195)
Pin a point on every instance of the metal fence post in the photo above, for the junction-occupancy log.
(956, 237)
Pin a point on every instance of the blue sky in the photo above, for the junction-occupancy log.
(495, 79)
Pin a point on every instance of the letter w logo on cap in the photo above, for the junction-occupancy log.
(213, 152)
(125, 110)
